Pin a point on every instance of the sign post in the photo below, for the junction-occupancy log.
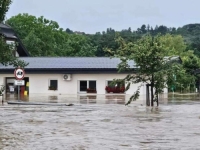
(19, 75)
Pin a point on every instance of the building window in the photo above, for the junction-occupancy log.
(87, 86)
(53, 85)
(92, 85)
(83, 86)
(12, 45)
(117, 88)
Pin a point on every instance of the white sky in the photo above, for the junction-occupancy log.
(91, 16)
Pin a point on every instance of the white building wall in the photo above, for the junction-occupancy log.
(39, 83)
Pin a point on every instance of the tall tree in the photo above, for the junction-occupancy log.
(4, 5)
(143, 29)
(43, 37)
(153, 68)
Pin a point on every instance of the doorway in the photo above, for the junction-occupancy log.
(11, 88)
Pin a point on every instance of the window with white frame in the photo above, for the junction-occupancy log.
(53, 84)
(117, 88)
(109, 83)
(85, 85)
(13, 47)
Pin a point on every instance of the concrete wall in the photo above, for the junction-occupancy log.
(39, 83)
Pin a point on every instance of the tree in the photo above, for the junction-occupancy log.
(6, 50)
(143, 29)
(43, 37)
(153, 68)
(69, 31)
(37, 34)
(79, 45)
(162, 29)
(175, 44)
(191, 63)
(4, 5)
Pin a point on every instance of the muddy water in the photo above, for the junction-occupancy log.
(100, 126)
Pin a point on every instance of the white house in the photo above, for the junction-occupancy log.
(62, 75)
(66, 75)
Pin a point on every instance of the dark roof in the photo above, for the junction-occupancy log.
(10, 34)
(73, 62)
(70, 63)
(56, 65)
(5, 26)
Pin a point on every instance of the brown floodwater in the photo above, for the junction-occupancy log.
(101, 124)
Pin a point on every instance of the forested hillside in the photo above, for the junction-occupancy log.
(44, 37)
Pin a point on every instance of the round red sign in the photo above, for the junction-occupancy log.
(19, 73)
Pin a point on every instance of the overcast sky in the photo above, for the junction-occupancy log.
(91, 16)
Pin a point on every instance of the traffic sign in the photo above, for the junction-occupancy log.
(19, 73)
(19, 82)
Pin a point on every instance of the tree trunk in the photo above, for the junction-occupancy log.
(157, 100)
(152, 85)
(147, 95)
(199, 86)
(152, 94)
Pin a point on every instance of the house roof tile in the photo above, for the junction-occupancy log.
(70, 62)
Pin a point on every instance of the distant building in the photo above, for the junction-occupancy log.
(78, 32)
(12, 38)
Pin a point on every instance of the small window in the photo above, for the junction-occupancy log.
(92, 85)
(53, 85)
(87, 86)
(117, 88)
(83, 86)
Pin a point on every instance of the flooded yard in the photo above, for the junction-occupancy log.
(100, 125)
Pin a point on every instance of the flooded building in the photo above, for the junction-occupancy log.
(68, 75)
(64, 75)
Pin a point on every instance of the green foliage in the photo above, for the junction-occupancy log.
(80, 46)
(4, 5)
(135, 96)
(191, 62)
(19, 63)
(6, 52)
(43, 37)
(186, 36)
(7, 56)
(175, 44)
(181, 80)
(2, 89)
(149, 54)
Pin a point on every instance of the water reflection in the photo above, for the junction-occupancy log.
(82, 99)
(101, 124)
(171, 98)
(53, 98)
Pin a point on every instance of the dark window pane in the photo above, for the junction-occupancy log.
(54, 83)
(83, 85)
(92, 85)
